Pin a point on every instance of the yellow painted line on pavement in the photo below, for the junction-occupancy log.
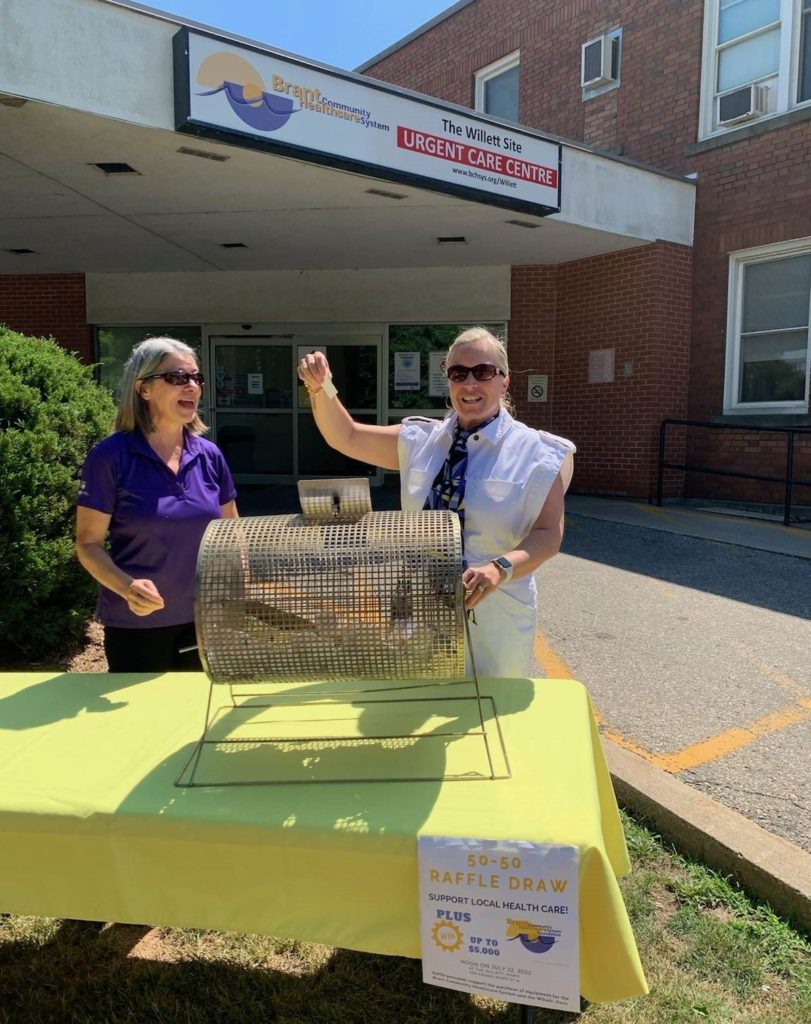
(666, 589)
(733, 739)
(696, 754)
(626, 744)
(553, 665)
(786, 682)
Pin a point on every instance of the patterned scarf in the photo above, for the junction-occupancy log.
(448, 488)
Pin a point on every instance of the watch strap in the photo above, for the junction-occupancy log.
(505, 565)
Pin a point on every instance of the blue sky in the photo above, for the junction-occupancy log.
(343, 33)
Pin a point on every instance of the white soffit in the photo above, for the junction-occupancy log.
(176, 213)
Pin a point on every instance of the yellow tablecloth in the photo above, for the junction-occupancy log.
(92, 825)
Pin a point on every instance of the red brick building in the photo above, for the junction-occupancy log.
(719, 91)
(662, 271)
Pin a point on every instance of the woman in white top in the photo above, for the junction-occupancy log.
(505, 480)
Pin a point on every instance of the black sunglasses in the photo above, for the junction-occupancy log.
(178, 377)
(481, 371)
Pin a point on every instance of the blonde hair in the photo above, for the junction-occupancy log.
(481, 336)
(145, 359)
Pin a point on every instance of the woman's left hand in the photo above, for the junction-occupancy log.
(479, 581)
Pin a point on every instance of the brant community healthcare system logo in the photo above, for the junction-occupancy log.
(269, 111)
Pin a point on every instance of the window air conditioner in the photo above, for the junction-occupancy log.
(743, 104)
(597, 65)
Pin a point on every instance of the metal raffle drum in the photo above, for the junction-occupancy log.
(330, 631)
(286, 598)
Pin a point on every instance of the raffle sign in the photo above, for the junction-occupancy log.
(501, 918)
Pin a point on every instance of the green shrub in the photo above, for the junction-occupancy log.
(51, 413)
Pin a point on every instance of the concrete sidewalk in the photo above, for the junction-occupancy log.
(730, 526)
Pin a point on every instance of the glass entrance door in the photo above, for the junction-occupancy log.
(253, 406)
(355, 362)
(261, 414)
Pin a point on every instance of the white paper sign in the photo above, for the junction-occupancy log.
(601, 366)
(406, 371)
(501, 918)
(255, 384)
(437, 381)
(537, 387)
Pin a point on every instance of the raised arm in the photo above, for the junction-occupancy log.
(365, 442)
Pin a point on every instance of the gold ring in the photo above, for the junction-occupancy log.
(481, 588)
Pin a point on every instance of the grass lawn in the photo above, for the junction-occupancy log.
(710, 954)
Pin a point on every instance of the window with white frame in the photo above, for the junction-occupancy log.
(497, 87)
(757, 60)
(768, 326)
(804, 69)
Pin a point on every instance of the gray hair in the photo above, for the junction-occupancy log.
(481, 336)
(145, 359)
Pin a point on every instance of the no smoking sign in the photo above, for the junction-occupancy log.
(537, 387)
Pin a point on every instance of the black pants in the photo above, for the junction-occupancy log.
(151, 650)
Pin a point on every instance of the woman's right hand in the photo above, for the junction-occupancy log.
(143, 598)
(313, 370)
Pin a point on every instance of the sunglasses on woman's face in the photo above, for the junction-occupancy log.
(481, 371)
(180, 378)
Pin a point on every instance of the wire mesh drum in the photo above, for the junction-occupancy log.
(301, 598)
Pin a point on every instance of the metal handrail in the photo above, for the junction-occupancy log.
(788, 480)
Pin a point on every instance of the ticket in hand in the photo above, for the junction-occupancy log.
(329, 388)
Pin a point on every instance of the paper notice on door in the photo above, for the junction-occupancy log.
(437, 381)
(406, 371)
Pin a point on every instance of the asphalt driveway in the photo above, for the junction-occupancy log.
(695, 651)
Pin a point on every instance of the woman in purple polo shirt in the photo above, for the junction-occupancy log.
(151, 488)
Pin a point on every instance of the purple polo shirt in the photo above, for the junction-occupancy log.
(157, 519)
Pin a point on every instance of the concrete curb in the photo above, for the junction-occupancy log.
(769, 867)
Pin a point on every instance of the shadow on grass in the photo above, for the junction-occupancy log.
(67, 972)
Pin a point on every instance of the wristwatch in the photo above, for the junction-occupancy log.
(505, 565)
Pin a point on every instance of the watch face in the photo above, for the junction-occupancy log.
(505, 566)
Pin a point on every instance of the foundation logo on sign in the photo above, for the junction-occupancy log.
(245, 91)
(537, 938)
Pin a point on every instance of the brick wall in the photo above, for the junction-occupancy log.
(651, 117)
(748, 452)
(750, 192)
(48, 305)
(636, 303)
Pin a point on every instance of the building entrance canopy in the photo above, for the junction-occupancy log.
(95, 178)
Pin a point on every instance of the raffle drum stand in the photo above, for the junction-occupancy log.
(332, 631)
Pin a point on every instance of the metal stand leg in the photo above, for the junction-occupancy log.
(526, 1015)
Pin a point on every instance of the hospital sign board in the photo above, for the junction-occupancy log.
(264, 100)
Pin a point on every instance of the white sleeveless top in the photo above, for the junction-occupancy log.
(510, 472)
